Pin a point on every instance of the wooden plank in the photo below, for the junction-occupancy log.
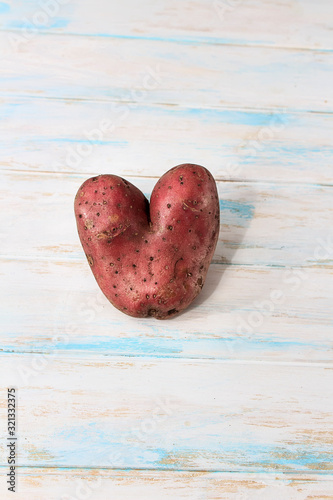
(243, 313)
(261, 224)
(190, 75)
(171, 414)
(99, 484)
(305, 24)
(233, 144)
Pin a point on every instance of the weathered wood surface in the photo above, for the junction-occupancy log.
(249, 145)
(243, 313)
(184, 74)
(172, 414)
(101, 484)
(290, 23)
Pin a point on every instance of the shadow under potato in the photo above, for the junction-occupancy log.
(237, 209)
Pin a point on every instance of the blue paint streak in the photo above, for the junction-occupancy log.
(29, 24)
(118, 346)
(255, 118)
(83, 141)
(22, 25)
(228, 116)
(160, 347)
(4, 8)
(254, 456)
(59, 23)
(238, 117)
(244, 211)
(119, 446)
(112, 447)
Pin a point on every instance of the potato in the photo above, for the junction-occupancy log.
(150, 259)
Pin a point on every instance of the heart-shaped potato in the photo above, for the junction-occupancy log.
(150, 259)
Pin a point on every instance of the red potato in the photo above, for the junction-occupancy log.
(150, 259)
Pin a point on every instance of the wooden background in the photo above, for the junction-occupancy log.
(233, 398)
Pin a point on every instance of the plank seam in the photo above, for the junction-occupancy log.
(180, 41)
(65, 357)
(86, 175)
(287, 472)
(250, 109)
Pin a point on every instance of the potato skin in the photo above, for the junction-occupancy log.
(150, 259)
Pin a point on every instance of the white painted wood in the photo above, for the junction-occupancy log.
(68, 136)
(289, 23)
(57, 307)
(260, 223)
(171, 414)
(191, 75)
(100, 484)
